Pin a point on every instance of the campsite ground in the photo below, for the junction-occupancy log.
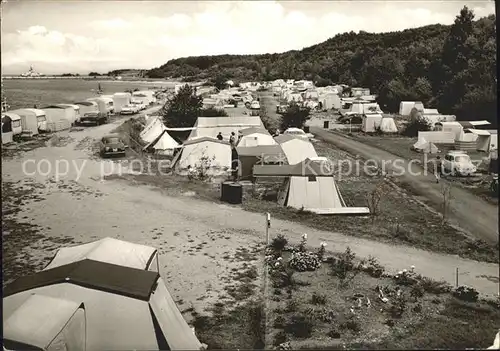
(211, 253)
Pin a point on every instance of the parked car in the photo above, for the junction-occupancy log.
(112, 145)
(129, 110)
(298, 133)
(139, 105)
(352, 119)
(457, 163)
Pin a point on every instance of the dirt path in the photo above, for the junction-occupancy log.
(466, 210)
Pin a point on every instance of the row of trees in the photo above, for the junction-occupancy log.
(452, 68)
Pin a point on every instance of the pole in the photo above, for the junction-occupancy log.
(268, 224)
(456, 280)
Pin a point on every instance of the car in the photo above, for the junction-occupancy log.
(457, 163)
(112, 145)
(129, 109)
(139, 105)
(352, 119)
(298, 133)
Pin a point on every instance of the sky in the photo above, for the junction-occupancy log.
(82, 36)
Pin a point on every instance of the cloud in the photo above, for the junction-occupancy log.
(144, 40)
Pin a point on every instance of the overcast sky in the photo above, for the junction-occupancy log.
(83, 36)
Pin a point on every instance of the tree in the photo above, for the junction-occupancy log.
(213, 112)
(220, 80)
(294, 117)
(183, 109)
(94, 74)
(422, 90)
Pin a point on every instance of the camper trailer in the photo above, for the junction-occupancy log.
(32, 120)
(120, 100)
(59, 117)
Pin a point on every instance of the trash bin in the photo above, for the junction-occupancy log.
(326, 124)
(231, 192)
(306, 129)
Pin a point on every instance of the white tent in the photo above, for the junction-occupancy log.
(210, 153)
(152, 130)
(309, 186)
(74, 107)
(496, 342)
(424, 146)
(46, 323)
(483, 140)
(164, 144)
(102, 105)
(371, 122)
(120, 100)
(59, 117)
(387, 125)
(296, 149)
(255, 137)
(109, 250)
(125, 308)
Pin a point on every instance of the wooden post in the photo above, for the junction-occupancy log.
(456, 280)
(268, 225)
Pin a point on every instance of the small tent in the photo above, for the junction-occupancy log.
(296, 149)
(371, 122)
(59, 117)
(255, 137)
(209, 153)
(310, 186)
(387, 125)
(109, 250)
(152, 130)
(45, 323)
(125, 308)
(164, 144)
(426, 147)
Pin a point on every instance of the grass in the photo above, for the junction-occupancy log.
(433, 319)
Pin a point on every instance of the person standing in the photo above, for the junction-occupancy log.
(232, 140)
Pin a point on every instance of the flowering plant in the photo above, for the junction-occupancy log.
(305, 261)
(321, 251)
(303, 242)
(466, 293)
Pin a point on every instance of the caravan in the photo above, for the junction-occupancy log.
(59, 117)
(32, 120)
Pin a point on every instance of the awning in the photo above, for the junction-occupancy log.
(478, 131)
(479, 123)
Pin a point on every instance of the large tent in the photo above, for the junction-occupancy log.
(405, 107)
(154, 127)
(120, 100)
(249, 156)
(296, 149)
(109, 250)
(211, 126)
(164, 144)
(210, 153)
(125, 308)
(59, 117)
(74, 107)
(45, 323)
(255, 137)
(371, 122)
(310, 186)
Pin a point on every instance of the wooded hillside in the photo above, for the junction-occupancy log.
(452, 68)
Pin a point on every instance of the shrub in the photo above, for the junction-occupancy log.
(466, 293)
(322, 313)
(213, 112)
(416, 125)
(284, 346)
(279, 243)
(334, 334)
(300, 327)
(321, 251)
(417, 291)
(351, 323)
(343, 267)
(435, 287)
(318, 299)
(305, 261)
(372, 267)
(291, 306)
(397, 306)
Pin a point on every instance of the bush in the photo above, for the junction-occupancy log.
(372, 267)
(318, 299)
(343, 267)
(466, 293)
(397, 306)
(416, 125)
(322, 313)
(305, 261)
(279, 243)
(279, 322)
(300, 327)
(351, 323)
(435, 287)
(291, 306)
(334, 334)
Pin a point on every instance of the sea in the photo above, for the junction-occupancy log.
(26, 93)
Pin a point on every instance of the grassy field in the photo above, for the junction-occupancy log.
(339, 305)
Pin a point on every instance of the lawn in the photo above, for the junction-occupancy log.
(345, 303)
